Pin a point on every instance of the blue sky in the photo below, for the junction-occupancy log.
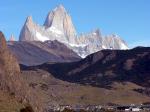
(130, 19)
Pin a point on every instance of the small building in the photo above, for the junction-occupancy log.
(136, 109)
(128, 109)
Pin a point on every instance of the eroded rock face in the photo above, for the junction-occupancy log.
(11, 79)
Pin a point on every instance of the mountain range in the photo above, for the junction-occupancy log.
(122, 75)
(51, 65)
(59, 26)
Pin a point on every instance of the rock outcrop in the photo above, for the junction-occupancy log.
(11, 79)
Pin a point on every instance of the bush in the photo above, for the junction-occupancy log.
(27, 109)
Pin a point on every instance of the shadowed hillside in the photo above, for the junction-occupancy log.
(104, 67)
(36, 52)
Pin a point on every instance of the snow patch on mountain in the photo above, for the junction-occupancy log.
(41, 37)
(104, 47)
(55, 30)
(124, 47)
(77, 45)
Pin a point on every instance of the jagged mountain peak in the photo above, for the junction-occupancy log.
(115, 37)
(29, 20)
(59, 26)
(113, 41)
(58, 12)
(60, 22)
(26, 30)
(60, 8)
(2, 41)
(12, 38)
(96, 32)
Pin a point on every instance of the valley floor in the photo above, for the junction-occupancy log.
(55, 92)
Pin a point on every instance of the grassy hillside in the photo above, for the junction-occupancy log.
(55, 91)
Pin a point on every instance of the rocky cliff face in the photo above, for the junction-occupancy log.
(59, 21)
(11, 80)
(59, 26)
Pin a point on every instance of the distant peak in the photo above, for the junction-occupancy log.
(2, 41)
(60, 7)
(58, 12)
(29, 19)
(115, 35)
(58, 20)
(96, 32)
(12, 38)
